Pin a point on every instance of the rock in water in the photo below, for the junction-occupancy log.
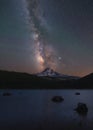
(57, 99)
(77, 93)
(81, 109)
(7, 94)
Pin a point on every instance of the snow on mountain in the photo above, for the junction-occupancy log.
(51, 73)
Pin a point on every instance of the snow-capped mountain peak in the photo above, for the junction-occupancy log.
(47, 72)
(51, 73)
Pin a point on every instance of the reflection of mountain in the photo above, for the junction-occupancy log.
(50, 80)
(52, 74)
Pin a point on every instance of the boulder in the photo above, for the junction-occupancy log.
(7, 94)
(81, 109)
(77, 93)
(57, 99)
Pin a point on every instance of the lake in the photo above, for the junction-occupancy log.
(34, 110)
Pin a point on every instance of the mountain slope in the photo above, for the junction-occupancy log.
(86, 81)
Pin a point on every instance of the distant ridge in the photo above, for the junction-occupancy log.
(86, 81)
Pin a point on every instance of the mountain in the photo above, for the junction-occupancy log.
(17, 80)
(53, 74)
(48, 72)
(47, 79)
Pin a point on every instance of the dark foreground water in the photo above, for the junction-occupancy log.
(34, 110)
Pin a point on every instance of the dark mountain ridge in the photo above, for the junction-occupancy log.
(17, 80)
(85, 82)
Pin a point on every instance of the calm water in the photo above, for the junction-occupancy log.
(34, 110)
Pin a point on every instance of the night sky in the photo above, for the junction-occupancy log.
(35, 34)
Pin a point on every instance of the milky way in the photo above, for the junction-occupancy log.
(44, 53)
